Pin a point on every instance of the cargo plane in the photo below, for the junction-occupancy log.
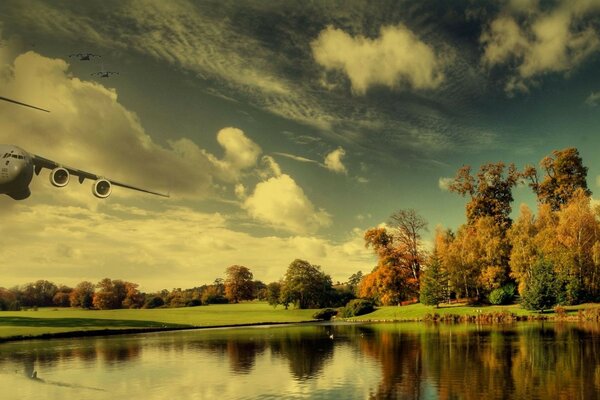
(17, 167)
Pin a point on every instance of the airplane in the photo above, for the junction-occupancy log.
(104, 74)
(84, 56)
(18, 166)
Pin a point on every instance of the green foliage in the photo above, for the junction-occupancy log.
(542, 289)
(502, 295)
(434, 283)
(154, 302)
(357, 307)
(273, 293)
(325, 314)
(306, 285)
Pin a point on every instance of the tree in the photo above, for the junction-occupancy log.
(273, 293)
(238, 283)
(306, 285)
(542, 287)
(434, 283)
(110, 295)
(407, 227)
(524, 251)
(61, 298)
(39, 293)
(354, 281)
(83, 295)
(491, 192)
(564, 175)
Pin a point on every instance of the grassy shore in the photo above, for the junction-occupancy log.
(418, 312)
(48, 322)
(61, 320)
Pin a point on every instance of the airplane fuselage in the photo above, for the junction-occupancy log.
(16, 171)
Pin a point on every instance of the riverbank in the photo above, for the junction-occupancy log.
(461, 312)
(67, 322)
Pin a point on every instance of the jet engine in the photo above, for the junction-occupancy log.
(102, 188)
(59, 177)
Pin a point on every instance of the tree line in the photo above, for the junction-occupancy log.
(549, 258)
(303, 286)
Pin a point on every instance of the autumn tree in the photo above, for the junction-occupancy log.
(238, 283)
(110, 294)
(524, 251)
(564, 174)
(577, 235)
(82, 295)
(490, 191)
(306, 285)
(61, 297)
(407, 228)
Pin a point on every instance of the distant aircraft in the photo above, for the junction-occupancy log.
(104, 74)
(84, 56)
(18, 166)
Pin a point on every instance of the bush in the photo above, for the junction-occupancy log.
(154, 302)
(503, 295)
(357, 307)
(560, 311)
(193, 303)
(215, 299)
(325, 314)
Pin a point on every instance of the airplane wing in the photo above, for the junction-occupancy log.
(22, 104)
(41, 162)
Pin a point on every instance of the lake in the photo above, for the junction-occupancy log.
(318, 361)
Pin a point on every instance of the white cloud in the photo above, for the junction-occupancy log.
(282, 204)
(333, 161)
(163, 248)
(395, 59)
(549, 41)
(593, 99)
(444, 183)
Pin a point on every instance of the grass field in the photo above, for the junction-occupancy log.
(53, 320)
(418, 311)
(57, 321)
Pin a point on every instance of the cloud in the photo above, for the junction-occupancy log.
(395, 59)
(541, 42)
(333, 161)
(282, 204)
(444, 183)
(593, 99)
(167, 247)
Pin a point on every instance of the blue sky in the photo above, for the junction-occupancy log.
(282, 130)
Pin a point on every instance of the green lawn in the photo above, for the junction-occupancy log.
(417, 311)
(52, 320)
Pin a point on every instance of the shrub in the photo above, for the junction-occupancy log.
(154, 302)
(357, 307)
(193, 303)
(325, 314)
(503, 295)
(560, 311)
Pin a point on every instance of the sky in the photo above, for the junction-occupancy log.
(281, 129)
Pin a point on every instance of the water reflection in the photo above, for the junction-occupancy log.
(380, 361)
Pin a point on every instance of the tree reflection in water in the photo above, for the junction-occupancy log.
(415, 361)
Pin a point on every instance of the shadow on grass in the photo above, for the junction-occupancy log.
(84, 322)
